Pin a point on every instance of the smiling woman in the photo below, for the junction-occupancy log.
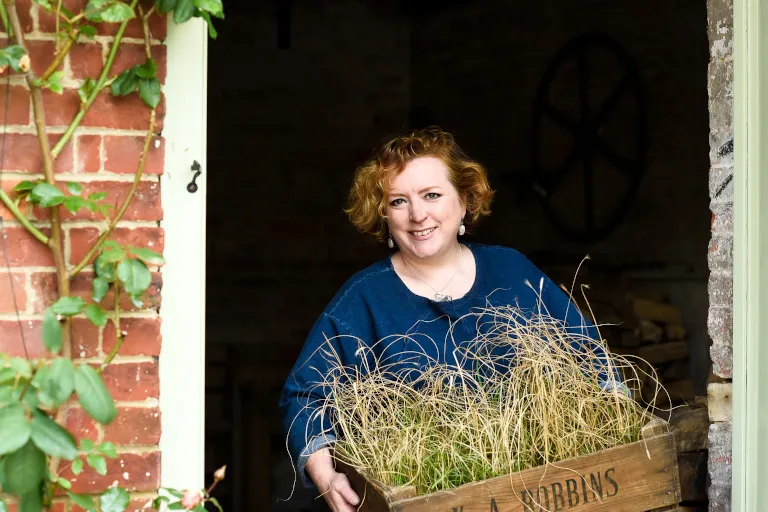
(418, 192)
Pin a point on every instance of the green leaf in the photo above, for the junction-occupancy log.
(22, 367)
(12, 54)
(95, 314)
(215, 7)
(68, 306)
(3, 506)
(77, 468)
(159, 501)
(125, 83)
(216, 503)
(52, 335)
(88, 31)
(86, 445)
(93, 395)
(211, 29)
(97, 462)
(25, 186)
(174, 492)
(184, 10)
(100, 289)
(75, 188)
(199, 508)
(74, 203)
(26, 469)
(50, 437)
(148, 256)
(46, 195)
(113, 255)
(114, 500)
(31, 501)
(7, 376)
(103, 268)
(117, 13)
(64, 483)
(60, 381)
(44, 3)
(176, 506)
(147, 70)
(135, 276)
(82, 500)
(108, 448)
(165, 5)
(97, 196)
(54, 82)
(14, 427)
(85, 91)
(150, 92)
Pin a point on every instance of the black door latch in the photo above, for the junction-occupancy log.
(192, 187)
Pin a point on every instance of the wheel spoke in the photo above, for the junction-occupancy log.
(584, 84)
(562, 120)
(610, 103)
(589, 198)
(552, 182)
(623, 164)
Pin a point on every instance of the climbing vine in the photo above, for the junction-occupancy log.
(36, 448)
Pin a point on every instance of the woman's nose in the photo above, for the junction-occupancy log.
(418, 212)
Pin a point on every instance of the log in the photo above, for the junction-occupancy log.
(693, 476)
(655, 311)
(691, 428)
(664, 352)
(648, 331)
(676, 370)
(674, 332)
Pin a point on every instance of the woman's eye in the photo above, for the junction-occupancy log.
(432, 195)
(397, 202)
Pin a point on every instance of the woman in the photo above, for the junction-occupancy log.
(419, 193)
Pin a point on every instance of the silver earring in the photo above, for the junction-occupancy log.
(462, 228)
(390, 242)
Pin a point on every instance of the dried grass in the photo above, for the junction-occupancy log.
(524, 393)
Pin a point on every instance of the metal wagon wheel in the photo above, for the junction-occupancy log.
(591, 92)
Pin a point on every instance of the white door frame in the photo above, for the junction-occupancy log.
(182, 358)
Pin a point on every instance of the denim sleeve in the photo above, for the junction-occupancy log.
(305, 423)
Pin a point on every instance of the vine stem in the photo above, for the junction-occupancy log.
(97, 88)
(8, 202)
(123, 207)
(57, 60)
(55, 240)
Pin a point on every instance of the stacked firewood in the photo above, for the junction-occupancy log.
(652, 330)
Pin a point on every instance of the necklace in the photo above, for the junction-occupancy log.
(439, 296)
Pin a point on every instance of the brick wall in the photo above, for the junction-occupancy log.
(720, 322)
(102, 155)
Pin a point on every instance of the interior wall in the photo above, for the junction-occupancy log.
(299, 93)
(475, 70)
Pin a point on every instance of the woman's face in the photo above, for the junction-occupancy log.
(424, 209)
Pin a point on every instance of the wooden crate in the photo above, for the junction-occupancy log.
(636, 477)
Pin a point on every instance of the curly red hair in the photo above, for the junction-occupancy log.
(367, 200)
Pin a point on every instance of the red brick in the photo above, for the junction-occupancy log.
(82, 239)
(85, 338)
(86, 60)
(47, 19)
(145, 203)
(134, 426)
(122, 154)
(41, 53)
(131, 54)
(132, 381)
(23, 7)
(13, 293)
(12, 340)
(127, 113)
(44, 285)
(132, 471)
(81, 286)
(157, 25)
(26, 250)
(143, 337)
(60, 109)
(23, 154)
(136, 505)
(88, 153)
(82, 425)
(19, 101)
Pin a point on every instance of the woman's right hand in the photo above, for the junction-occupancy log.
(334, 485)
